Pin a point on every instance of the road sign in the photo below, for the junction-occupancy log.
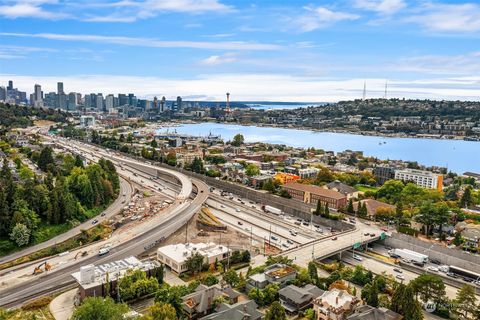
(357, 245)
(382, 236)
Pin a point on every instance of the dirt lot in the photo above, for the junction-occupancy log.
(234, 239)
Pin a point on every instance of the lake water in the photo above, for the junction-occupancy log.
(457, 155)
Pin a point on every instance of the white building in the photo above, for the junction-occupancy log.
(109, 102)
(424, 179)
(175, 255)
(87, 121)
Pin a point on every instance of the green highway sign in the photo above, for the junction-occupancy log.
(357, 245)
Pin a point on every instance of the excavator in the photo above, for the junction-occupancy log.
(83, 254)
(39, 270)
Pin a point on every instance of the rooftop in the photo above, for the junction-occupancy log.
(315, 190)
(181, 251)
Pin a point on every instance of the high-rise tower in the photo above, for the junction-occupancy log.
(228, 100)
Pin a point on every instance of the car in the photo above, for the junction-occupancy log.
(253, 207)
(435, 261)
(290, 241)
(94, 221)
(334, 238)
(366, 234)
(358, 258)
(222, 206)
(372, 235)
(400, 276)
(238, 210)
(297, 223)
(293, 233)
(398, 270)
(285, 245)
(434, 269)
(452, 275)
(240, 223)
(201, 191)
(273, 238)
(305, 223)
(319, 230)
(103, 214)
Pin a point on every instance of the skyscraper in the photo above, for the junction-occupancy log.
(179, 104)
(109, 102)
(60, 88)
(72, 101)
(162, 104)
(10, 85)
(99, 102)
(37, 96)
(3, 94)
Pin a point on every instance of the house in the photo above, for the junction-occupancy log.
(373, 206)
(283, 177)
(334, 305)
(470, 233)
(295, 299)
(348, 191)
(312, 194)
(203, 300)
(276, 273)
(247, 309)
(367, 312)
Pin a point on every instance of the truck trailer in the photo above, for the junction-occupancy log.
(273, 210)
(409, 255)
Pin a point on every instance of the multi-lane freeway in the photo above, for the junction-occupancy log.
(174, 220)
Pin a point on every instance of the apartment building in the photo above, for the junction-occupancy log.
(424, 179)
(312, 194)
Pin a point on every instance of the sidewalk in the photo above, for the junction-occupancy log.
(62, 306)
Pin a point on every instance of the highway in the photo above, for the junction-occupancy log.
(323, 248)
(174, 220)
(113, 209)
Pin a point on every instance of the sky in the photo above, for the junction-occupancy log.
(305, 51)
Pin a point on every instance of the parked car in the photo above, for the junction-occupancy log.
(290, 241)
(398, 270)
(240, 223)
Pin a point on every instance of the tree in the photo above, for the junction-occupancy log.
(370, 294)
(160, 311)
(154, 143)
(194, 262)
(231, 277)
(99, 308)
(404, 302)
(197, 165)
(319, 210)
(325, 175)
(238, 140)
(350, 206)
(252, 170)
(20, 234)
(390, 191)
(429, 287)
(45, 158)
(209, 280)
(465, 303)
(458, 240)
(276, 312)
(326, 213)
(431, 214)
(313, 272)
(466, 199)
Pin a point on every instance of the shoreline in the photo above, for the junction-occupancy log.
(342, 131)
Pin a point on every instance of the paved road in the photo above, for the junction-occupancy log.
(324, 247)
(113, 209)
(48, 283)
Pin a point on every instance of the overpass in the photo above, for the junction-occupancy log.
(334, 244)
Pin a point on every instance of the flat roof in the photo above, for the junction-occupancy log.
(180, 252)
(315, 190)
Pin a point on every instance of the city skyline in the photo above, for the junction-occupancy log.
(293, 51)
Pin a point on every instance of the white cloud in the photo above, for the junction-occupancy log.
(438, 17)
(384, 7)
(148, 42)
(29, 9)
(135, 10)
(219, 59)
(255, 87)
(321, 17)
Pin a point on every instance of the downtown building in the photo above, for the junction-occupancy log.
(424, 179)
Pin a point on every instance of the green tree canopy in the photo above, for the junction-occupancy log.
(99, 308)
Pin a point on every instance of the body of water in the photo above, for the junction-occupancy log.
(457, 155)
(281, 106)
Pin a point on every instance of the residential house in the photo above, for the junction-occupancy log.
(295, 299)
(367, 312)
(203, 300)
(276, 273)
(242, 310)
(373, 206)
(334, 305)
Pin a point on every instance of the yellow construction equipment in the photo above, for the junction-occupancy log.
(39, 270)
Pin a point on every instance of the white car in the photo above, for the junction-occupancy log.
(400, 276)
(434, 269)
(358, 258)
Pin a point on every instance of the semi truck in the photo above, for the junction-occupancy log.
(273, 210)
(408, 255)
